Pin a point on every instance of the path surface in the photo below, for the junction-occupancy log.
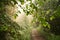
(36, 35)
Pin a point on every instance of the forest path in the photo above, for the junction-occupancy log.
(36, 35)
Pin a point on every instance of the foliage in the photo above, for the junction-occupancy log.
(8, 28)
(46, 14)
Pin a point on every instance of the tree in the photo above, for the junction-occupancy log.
(8, 28)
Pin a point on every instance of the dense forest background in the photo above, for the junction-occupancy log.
(19, 17)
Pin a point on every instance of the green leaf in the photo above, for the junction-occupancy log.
(52, 17)
(15, 16)
(22, 1)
